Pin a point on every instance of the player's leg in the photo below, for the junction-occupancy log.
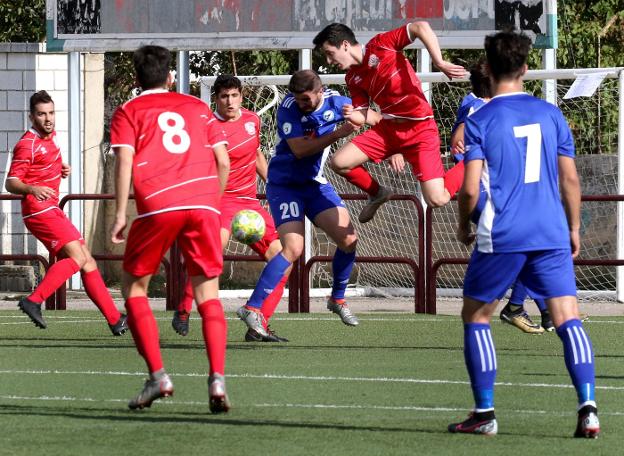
(514, 314)
(348, 161)
(329, 213)
(488, 276)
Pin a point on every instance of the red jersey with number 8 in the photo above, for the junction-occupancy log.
(172, 136)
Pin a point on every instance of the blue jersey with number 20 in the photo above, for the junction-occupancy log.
(519, 138)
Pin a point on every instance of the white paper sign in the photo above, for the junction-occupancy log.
(585, 85)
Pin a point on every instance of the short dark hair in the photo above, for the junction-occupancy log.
(226, 81)
(507, 52)
(39, 97)
(303, 81)
(151, 64)
(480, 79)
(334, 34)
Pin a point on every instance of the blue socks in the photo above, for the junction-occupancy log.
(270, 277)
(579, 359)
(342, 265)
(480, 357)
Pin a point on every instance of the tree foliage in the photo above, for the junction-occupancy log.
(22, 21)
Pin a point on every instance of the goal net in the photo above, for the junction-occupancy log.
(394, 231)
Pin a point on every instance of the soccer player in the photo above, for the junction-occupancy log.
(307, 125)
(174, 151)
(380, 73)
(521, 149)
(36, 172)
(242, 129)
(514, 312)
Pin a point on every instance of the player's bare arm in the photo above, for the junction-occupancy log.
(17, 187)
(123, 178)
(305, 146)
(571, 195)
(457, 140)
(467, 200)
(422, 30)
(262, 166)
(223, 165)
(65, 170)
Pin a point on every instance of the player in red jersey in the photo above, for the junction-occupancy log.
(174, 151)
(242, 129)
(380, 73)
(36, 172)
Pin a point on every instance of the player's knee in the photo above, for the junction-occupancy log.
(291, 253)
(348, 243)
(336, 165)
(80, 259)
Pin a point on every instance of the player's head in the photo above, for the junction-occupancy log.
(480, 79)
(42, 114)
(337, 42)
(151, 65)
(507, 54)
(228, 97)
(307, 88)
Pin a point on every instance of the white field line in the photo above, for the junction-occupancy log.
(403, 408)
(307, 378)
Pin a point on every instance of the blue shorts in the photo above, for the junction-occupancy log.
(290, 203)
(544, 273)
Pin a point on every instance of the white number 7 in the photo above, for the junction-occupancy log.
(533, 134)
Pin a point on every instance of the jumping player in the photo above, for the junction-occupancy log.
(36, 172)
(521, 150)
(242, 129)
(380, 73)
(173, 150)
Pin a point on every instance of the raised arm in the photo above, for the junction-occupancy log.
(422, 30)
(305, 146)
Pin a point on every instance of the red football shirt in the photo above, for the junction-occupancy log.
(37, 161)
(386, 77)
(172, 136)
(243, 137)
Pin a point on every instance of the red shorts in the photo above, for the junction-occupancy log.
(229, 208)
(53, 229)
(418, 141)
(197, 233)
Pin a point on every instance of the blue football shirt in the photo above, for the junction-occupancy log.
(469, 104)
(284, 167)
(519, 138)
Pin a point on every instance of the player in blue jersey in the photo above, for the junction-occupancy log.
(513, 313)
(309, 120)
(521, 150)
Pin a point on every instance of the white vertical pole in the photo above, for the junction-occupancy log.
(75, 148)
(305, 63)
(183, 73)
(549, 62)
(424, 66)
(620, 212)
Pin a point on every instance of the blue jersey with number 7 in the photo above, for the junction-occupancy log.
(519, 138)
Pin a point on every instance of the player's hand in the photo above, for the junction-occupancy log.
(458, 148)
(397, 163)
(42, 193)
(575, 242)
(65, 170)
(117, 235)
(465, 235)
(346, 129)
(356, 116)
(451, 70)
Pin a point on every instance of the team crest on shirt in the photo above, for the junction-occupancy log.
(304, 119)
(328, 116)
(250, 127)
(287, 128)
(43, 150)
(357, 80)
(373, 61)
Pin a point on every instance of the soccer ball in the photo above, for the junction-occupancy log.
(248, 226)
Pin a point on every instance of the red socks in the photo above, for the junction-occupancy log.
(271, 302)
(144, 331)
(186, 304)
(362, 179)
(56, 276)
(214, 329)
(454, 178)
(98, 293)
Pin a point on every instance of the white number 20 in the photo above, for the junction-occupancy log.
(289, 210)
(533, 134)
(173, 131)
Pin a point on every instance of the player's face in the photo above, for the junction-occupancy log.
(339, 56)
(310, 100)
(43, 118)
(228, 103)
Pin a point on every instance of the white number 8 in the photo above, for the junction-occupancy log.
(172, 131)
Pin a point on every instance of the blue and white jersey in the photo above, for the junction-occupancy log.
(469, 104)
(285, 168)
(519, 138)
